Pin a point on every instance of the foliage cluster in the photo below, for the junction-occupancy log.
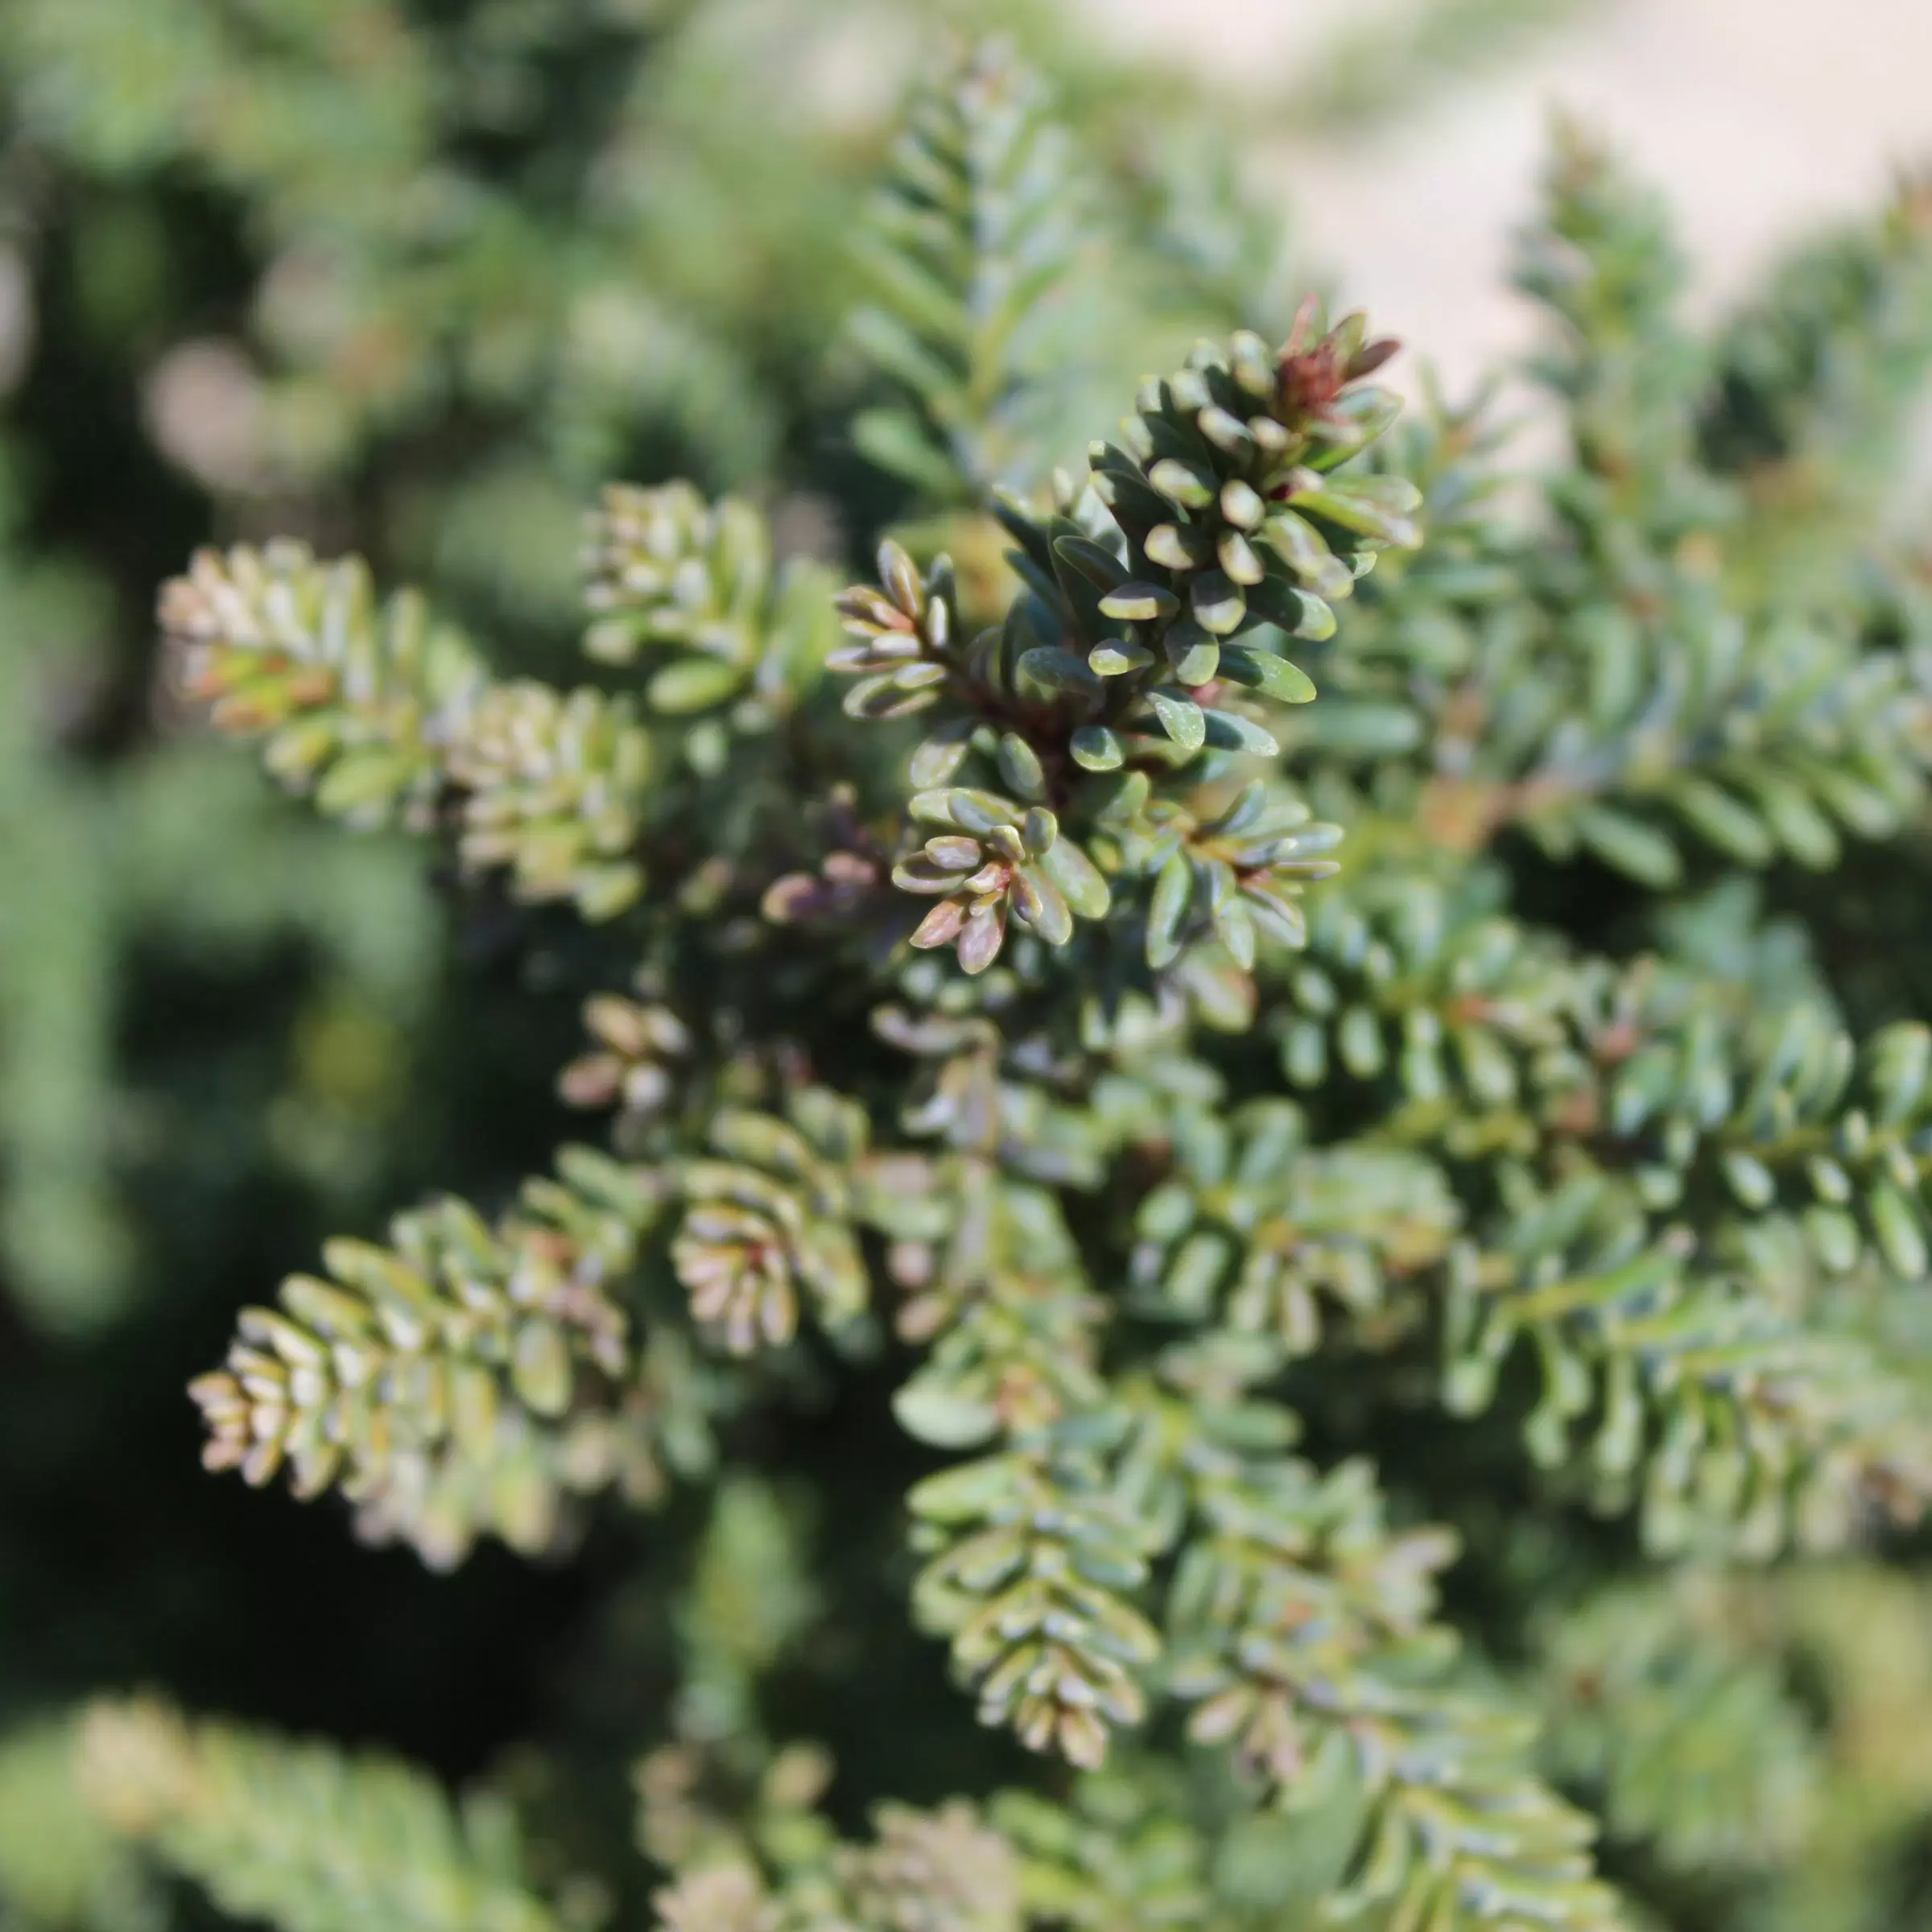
(1114, 1169)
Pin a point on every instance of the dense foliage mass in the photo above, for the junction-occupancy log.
(1269, 1100)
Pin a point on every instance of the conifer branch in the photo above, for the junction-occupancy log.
(943, 1868)
(968, 252)
(1116, 1855)
(1604, 261)
(301, 1834)
(1268, 1235)
(62, 1865)
(1118, 665)
(1297, 1623)
(1032, 1564)
(1669, 1706)
(1662, 1188)
(695, 586)
(937, 1871)
(1819, 368)
(1659, 674)
(1029, 1557)
(468, 1378)
(1760, 742)
(768, 1221)
(1301, 1635)
(353, 699)
(383, 715)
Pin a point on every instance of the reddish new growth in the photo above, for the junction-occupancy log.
(1313, 376)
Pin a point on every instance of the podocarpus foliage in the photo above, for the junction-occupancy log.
(1245, 1138)
(421, 275)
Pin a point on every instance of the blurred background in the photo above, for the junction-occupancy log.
(413, 276)
(1764, 118)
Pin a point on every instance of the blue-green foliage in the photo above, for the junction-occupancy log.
(1246, 1103)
